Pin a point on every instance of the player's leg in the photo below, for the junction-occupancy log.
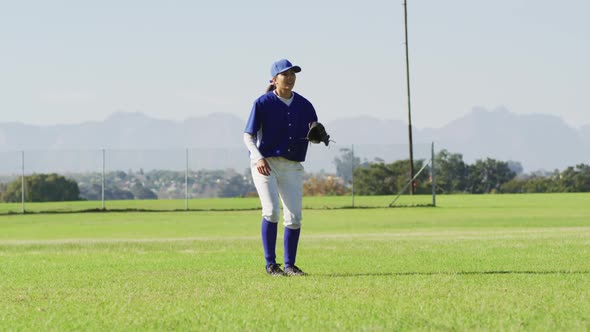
(267, 189)
(290, 184)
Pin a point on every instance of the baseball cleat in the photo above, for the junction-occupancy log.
(294, 271)
(275, 270)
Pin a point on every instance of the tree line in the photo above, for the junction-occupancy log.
(452, 175)
(120, 185)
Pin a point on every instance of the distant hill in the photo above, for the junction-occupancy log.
(537, 141)
(132, 141)
(126, 131)
(368, 130)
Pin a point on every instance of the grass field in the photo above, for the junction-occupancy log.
(210, 204)
(479, 262)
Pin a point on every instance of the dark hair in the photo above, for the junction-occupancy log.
(271, 87)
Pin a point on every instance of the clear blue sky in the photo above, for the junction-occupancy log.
(72, 61)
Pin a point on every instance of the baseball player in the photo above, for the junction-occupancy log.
(276, 138)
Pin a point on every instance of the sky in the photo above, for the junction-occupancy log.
(71, 61)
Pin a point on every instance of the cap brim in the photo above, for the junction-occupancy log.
(295, 69)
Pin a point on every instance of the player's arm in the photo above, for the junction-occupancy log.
(255, 155)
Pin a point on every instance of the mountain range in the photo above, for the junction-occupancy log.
(537, 141)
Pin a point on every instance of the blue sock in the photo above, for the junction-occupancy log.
(269, 241)
(290, 242)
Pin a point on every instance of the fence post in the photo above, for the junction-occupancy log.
(352, 173)
(186, 182)
(23, 181)
(103, 166)
(433, 176)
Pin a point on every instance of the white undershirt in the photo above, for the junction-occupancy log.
(287, 101)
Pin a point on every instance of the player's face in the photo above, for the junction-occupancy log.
(286, 80)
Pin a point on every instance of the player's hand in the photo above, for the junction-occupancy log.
(263, 167)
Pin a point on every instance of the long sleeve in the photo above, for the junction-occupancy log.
(250, 141)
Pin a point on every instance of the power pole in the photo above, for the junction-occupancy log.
(409, 104)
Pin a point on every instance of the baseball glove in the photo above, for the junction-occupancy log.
(317, 133)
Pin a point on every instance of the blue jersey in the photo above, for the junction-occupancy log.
(284, 128)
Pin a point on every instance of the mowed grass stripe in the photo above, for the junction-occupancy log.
(453, 213)
(524, 233)
(505, 201)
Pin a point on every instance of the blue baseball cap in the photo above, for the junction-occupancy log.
(282, 66)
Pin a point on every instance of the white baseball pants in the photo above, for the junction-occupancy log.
(285, 182)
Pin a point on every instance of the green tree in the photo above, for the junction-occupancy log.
(43, 188)
(3, 187)
(451, 172)
(379, 178)
(487, 176)
(533, 184)
(575, 179)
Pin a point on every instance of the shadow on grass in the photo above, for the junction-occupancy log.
(131, 210)
(402, 274)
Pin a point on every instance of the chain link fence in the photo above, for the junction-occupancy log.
(170, 179)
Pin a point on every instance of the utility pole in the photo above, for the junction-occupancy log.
(409, 104)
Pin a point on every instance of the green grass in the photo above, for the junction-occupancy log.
(210, 204)
(481, 262)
